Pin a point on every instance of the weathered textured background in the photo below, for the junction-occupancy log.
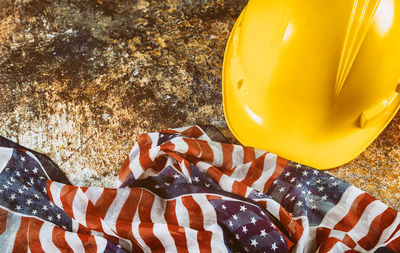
(80, 80)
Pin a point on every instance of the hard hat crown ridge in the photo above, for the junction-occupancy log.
(314, 81)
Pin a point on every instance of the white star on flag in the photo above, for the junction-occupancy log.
(263, 234)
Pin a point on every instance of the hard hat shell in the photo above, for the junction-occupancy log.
(313, 81)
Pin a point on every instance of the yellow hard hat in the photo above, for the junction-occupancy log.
(313, 81)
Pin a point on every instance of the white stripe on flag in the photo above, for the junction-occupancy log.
(217, 151)
(7, 238)
(116, 206)
(237, 155)
(162, 233)
(340, 210)
(55, 191)
(46, 230)
(5, 156)
(259, 152)
(203, 166)
(74, 242)
(362, 227)
(182, 214)
(153, 153)
(160, 228)
(268, 170)
(191, 240)
(182, 129)
(339, 247)
(79, 206)
(185, 170)
(248, 191)
(135, 166)
(240, 172)
(210, 223)
(180, 145)
(135, 230)
(94, 193)
(101, 244)
(226, 183)
(389, 230)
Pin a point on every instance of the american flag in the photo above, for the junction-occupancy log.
(180, 191)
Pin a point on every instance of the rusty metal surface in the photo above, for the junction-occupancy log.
(81, 80)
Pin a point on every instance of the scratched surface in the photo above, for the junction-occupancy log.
(81, 80)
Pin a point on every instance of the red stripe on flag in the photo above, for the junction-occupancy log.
(3, 220)
(322, 242)
(356, 210)
(204, 240)
(170, 213)
(193, 132)
(195, 213)
(144, 143)
(146, 225)
(213, 197)
(214, 173)
(167, 146)
(93, 221)
(83, 229)
(347, 240)
(281, 164)
(88, 242)
(177, 232)
(104, 202)
(239, 188)
(255, 171)
(394, 232)
(20, 242)
(33, 236)
(67, 195)
(48, 184)
(394, 245)
(263, 203)
(58, 238)
(123, 223)
(228, 171)
(291, 225)
(125, 170)
(159, 163)
(84, 188)
(227, 150)
(206, 152)
(196, 222)
(249, 154)
(174, 155)
(193, 147)
(380, 223)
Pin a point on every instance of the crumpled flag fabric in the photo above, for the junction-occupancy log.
(179, 191)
